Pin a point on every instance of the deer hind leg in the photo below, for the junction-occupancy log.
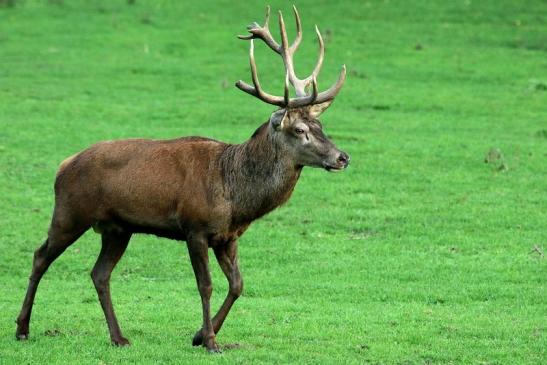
(61, 235)
(113, 247)
(227, 258)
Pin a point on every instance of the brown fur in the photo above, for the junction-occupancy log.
(171, 187)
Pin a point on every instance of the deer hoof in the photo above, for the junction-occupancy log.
(198, 339)
(122, 341)
(211, 345)
(21, 336)
(22, 333)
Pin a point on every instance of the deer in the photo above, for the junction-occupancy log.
(193, 189)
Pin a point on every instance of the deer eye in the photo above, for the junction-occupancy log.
(298, 131)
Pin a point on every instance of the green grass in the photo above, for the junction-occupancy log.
(421, 253)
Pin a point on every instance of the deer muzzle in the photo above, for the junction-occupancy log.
(341, 162)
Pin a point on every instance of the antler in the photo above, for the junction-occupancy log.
(287, 52)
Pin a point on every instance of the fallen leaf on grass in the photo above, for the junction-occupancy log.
(493, 155)
(537, 250)
(495, 158)
(52, 333)
(230, 346)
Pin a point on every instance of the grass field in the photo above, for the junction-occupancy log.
(420, 253)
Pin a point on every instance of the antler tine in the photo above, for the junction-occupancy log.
(256, 90)
(287, 55)
(254, 74)
(262, 32)
(319, 63)
(314, 88)
(283, 31)
(333, 90)
(298, 38)
(267, 18)
(286, 95)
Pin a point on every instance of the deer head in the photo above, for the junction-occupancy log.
(296, 125)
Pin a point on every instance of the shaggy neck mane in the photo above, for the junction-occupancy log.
(258, 176)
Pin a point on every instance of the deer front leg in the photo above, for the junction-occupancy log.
(227, 258)
(197, 247)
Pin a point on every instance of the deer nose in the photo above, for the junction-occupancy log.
(344, 159)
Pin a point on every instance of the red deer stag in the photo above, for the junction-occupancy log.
(191, 189)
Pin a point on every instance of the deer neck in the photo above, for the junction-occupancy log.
(258, 176)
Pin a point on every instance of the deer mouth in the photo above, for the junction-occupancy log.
(331, 168)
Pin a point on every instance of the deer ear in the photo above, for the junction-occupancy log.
(317, 109)
(279, 118)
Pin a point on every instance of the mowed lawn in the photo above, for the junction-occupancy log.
(429, 249)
